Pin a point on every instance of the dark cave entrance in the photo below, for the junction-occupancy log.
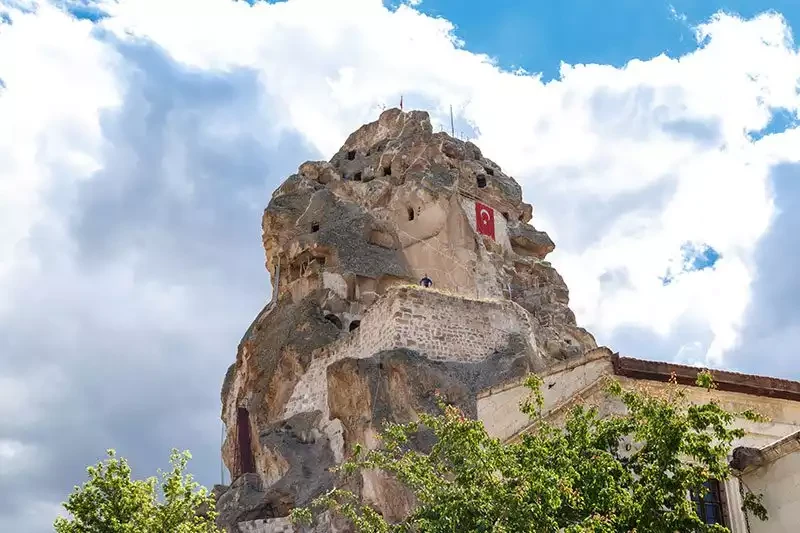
(244, 448)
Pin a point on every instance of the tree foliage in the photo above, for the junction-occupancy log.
(630, 472)
(112, 502)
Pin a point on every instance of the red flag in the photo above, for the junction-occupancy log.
(484, 219)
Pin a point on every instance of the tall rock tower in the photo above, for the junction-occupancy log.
(351, 339)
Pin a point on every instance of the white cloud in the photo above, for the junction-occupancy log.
(57, 79)
(624, 166)
(597, 133)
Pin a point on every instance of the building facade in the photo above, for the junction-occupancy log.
(773, 464)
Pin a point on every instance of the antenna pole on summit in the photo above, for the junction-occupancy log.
(401, 102)
(452, 128)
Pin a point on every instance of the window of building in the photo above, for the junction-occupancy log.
(410, 213)
(351, 155)
(711, 505)
(481, 181)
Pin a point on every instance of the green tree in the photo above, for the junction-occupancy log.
(111, 502)
(630, 472)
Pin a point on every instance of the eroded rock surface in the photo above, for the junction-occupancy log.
(346, 344)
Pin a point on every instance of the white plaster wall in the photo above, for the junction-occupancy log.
(500, 223)
(499, 410)
(779, 481)
(498, 407)
(783, 415)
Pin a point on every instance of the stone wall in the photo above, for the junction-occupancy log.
(375, 334)
(272, 525)
(440, 326)
(453, 328)
(498, 407)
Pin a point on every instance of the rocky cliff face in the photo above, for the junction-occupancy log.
(346, 344)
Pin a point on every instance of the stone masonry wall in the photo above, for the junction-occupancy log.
(272, 525)
(452, 328)
(374, 335)
(439, 326)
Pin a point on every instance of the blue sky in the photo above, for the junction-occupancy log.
(138, 150)
(538, 36)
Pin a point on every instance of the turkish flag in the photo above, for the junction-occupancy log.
(484, 219)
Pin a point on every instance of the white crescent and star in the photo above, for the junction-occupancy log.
(486, 217)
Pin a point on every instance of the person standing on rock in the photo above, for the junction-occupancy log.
(426, 281)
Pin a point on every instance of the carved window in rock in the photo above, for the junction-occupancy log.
(357, 176)
(481, 180)
(489, 171)
(333, 319)
(354, 325)
(712, 506)
(351, 155)
(410, 213)
(314, 227)
(243, 461)
(387, 170)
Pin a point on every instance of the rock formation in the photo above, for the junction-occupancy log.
(350, 340)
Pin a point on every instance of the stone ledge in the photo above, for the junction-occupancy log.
(724, 379)
(601, 352)
(745, 459)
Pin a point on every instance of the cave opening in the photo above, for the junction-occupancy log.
(333, 319)
(244, 451)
